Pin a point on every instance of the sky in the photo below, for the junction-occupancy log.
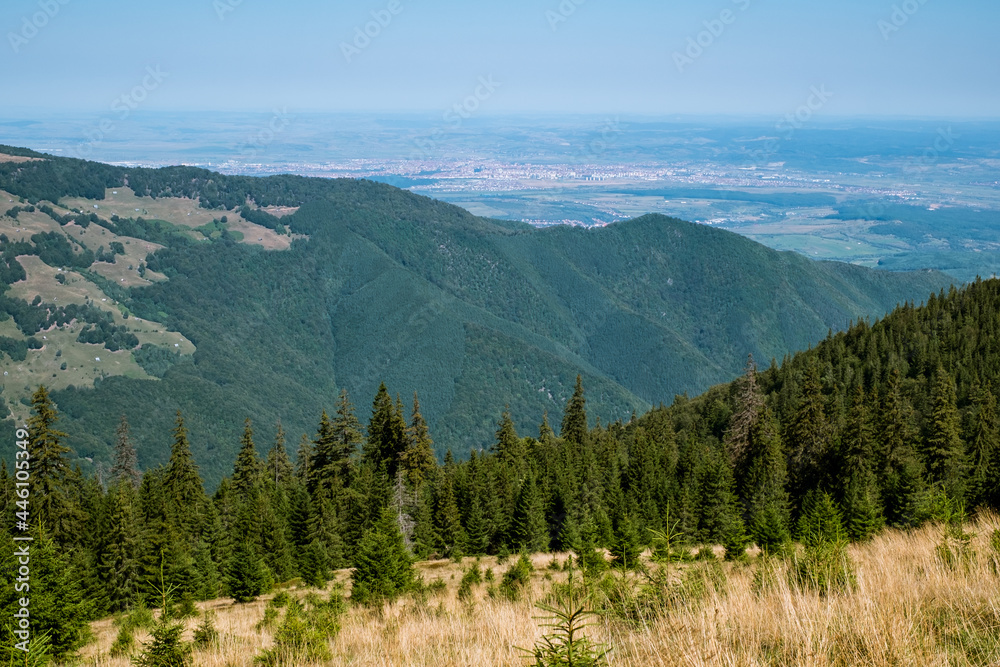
(922, 58)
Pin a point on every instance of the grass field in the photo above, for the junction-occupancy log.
(84, 362)
(908, 607)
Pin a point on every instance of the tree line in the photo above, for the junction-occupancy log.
(892, 423)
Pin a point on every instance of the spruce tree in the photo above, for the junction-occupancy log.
(863, 506)
(984, 448)
(247, 470)
(126, 460)
(50, 470)
(749, 404)
(447, 519)
(387, 439)
(183, 485)
(509, 447)
(58, 604)
(347, 431)
(418, 459)
(477, 532)
(574, 423)
(329, 462)
(764, 486)
(858, 439)
(119, 554)
(546, 435)
(246, 577)
(529, 529)
(944, 450)
(809, 434)
(625, 547)
(821, 521)
(901, 474)
(279, 467)
(383, 569)
(303, 460)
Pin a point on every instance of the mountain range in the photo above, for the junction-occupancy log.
(263, 297)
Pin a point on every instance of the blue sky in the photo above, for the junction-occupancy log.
(873, 57)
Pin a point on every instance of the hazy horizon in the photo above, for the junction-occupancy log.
(727, 58)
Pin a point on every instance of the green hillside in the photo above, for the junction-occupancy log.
(359, 282)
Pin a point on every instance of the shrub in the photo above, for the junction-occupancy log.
(206, 635)
(124, 643)
(470, 578)
(186, 608)
(295, 642)
(139, 617)
(824, 567)
(516, 578)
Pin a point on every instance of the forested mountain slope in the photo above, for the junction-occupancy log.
(357, 283)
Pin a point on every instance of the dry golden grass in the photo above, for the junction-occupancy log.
(908, 608)
(18, 158)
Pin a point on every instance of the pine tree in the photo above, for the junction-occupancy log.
(764, 486)
(821, 521)
(574, 424)
(447, 519)
(119, 554)
(546, 435)
(246, 578)
(50, 471)
(862, 506)
(529, 529)
(984, 448)
(303, 460)
(944, 450)
(185, 491)
(625, 547)
(383, 569)
(749, 404)
(809, 435)
(387, 438)
(279, 466)
(247, 470)
(901, 475)
(126, 460)
(509, 447)
(418, 459)
(477, 532)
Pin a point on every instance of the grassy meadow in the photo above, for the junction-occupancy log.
(912, 602)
